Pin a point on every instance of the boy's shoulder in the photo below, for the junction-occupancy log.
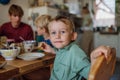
(74, 48)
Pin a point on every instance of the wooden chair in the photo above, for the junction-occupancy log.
(103, 69)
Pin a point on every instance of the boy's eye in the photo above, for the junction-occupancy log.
(62, 32)
(53, 33)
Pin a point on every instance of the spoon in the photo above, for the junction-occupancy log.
(22, 38)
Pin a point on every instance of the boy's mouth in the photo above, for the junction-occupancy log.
(58, 41)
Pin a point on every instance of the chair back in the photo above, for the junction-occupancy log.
(103, 68)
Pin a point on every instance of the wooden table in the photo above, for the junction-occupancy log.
(18, 67)
(8, 72)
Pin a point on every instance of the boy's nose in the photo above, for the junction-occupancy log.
(58, 35)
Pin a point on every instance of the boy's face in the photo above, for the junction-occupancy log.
(15, 20)
(60, 34)
(40, 30)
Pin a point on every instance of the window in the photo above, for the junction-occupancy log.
(104, 13)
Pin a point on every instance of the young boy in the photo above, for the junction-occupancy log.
(71, 63)
(42, 28)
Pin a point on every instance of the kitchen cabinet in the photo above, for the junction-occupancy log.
(112, 40)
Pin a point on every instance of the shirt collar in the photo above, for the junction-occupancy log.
(65, 48)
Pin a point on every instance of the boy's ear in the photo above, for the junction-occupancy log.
(74, 37)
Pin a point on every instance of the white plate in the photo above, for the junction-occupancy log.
(30, 56)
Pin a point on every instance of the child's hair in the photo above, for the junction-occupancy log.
(15, 10)
(66, 21)
(43, 21)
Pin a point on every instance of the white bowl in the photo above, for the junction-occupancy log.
(9, 54)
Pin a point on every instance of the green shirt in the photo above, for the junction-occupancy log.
(71, 63)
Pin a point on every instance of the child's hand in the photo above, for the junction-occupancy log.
(41, 45)
(102, 50)
(45, 47)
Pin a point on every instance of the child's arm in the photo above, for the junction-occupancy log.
(102, 50)
(45, 47)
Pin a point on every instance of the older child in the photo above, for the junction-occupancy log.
(15, 29)
(71, 63)
(42, 28)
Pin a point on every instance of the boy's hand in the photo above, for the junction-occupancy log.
(102, 50)
(45, 47)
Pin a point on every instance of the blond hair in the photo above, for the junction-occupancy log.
(43, 21)
(66, 21)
